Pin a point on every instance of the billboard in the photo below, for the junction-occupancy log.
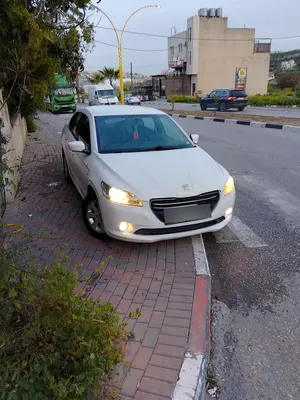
(240, 78)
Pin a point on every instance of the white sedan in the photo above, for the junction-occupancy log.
(132, 100)
(141, 177)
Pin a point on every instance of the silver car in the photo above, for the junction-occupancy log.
(132, 100)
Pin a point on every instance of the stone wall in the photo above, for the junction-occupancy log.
(15, 131)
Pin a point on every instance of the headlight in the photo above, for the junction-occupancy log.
(229, 187)
(119, 196)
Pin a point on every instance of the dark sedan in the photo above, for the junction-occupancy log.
(225, 99)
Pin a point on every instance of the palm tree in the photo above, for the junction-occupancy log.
(95, 78)
(111, 74)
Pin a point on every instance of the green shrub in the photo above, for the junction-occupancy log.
(261, 101)
(54, 344)
(298, 92)
(31, 124)
(178, 98)
(276, 91)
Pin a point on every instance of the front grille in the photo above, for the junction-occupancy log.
(178, 229)
(159, 205)
(63, 102)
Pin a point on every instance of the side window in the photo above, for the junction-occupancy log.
(83, 130)
(213, 94)
(73, 123)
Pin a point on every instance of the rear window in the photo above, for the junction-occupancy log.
(238, 93)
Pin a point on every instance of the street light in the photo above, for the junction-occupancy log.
(119, 40)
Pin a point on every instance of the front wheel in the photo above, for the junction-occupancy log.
(92, 217)
(241, 108)
(66, 169)
(203, 107)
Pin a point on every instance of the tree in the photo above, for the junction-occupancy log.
(37, 39)
(288, 80)
(95, 78)
(111, 74)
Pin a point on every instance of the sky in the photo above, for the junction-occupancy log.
(270, 18)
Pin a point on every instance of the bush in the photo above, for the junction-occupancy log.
(31, 124)
(288, 80)
(276, 91)
(298, 91)
(261, 101)
(177, 98)
(54, 344)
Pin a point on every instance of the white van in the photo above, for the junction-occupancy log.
(101, 94)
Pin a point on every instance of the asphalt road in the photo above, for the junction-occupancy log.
(255, 262)
(271, 112)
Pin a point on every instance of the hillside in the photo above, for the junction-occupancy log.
(279, 56)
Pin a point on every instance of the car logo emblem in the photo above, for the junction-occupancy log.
(185, 187)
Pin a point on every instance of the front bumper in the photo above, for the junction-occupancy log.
(145, 227)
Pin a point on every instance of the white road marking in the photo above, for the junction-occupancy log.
(201, 262)
(245, 234)
(237, 231)
(287, 203)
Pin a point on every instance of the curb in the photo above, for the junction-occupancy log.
(191, 384)
(197, 105)
(257, 124)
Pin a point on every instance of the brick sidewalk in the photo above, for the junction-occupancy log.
(158, 279)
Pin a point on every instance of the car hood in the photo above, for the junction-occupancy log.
(172, 173)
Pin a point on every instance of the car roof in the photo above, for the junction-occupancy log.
(242, 90)
(106, 110)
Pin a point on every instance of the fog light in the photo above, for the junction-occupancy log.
(123, 226)
(228, 212)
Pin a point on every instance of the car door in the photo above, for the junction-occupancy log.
(81, 160)
(70, 135)
(211, 100)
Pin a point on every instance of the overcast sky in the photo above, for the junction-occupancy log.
(270, 18)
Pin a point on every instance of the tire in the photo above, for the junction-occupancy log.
(222, 107)
(203, 107)
(241, 108)
(92, 218)
(66, 169)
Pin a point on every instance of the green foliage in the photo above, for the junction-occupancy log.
(37, 39)
(54, 344)
(297, 91)
(178, 98)
(95, 78)
(276, 91)
(111, 74)
(261, 101)
(31, 124)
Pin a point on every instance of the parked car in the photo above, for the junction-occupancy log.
(132, 100)
(142, 177)
(225, 99)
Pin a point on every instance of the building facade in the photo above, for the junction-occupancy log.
(216, 56)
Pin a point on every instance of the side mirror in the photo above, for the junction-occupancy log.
(195, 138)
(77, 147)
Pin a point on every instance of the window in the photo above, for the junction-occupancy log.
(137, 133)
(73, 123)
(83, 130)
(180, 48)
(239, 93)
(190, 34)
(102, 93)
(172, 51)
(190, 57)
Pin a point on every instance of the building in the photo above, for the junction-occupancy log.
(287, 65)
(211, 55)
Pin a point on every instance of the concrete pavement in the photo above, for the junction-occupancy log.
(266, 111)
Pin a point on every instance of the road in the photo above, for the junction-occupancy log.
(255, 261)
(271, 112)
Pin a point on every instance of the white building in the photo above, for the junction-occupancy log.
(286, 65)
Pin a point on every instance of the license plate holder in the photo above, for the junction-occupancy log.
(180, 215)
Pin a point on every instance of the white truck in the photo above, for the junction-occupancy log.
(102, 94)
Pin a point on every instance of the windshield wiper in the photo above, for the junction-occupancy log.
(158, 148)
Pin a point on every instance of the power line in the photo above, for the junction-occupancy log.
(126, 48)
(208, 39)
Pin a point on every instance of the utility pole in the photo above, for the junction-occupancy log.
(131, 78)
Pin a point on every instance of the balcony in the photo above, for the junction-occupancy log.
(262, 46)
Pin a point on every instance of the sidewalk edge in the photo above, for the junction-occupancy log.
(192, 378)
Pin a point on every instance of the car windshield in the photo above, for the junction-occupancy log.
(103, 93)
(137, 133)
(239, 93)
(67, 91)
